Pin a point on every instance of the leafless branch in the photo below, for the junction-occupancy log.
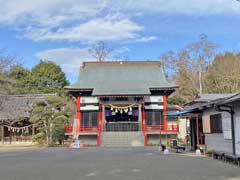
(100, 51)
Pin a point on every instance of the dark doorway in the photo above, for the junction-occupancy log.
(125, 121)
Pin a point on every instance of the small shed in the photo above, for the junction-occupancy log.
(15, 114)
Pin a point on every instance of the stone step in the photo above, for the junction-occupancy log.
(125, 139)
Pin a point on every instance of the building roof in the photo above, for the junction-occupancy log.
(211, 97)
(17, 107)
(121, 78)
(231, 99)
(204, 101)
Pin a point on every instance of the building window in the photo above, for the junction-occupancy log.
(153, 117)
(216, 123)
(89, 119)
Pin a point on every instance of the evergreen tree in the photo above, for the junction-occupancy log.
(51, 118)
(47, 77)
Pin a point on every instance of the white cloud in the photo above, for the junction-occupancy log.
(47, 13)
(69, 59)
(121, 50)
(110, 28)
(93, 20)
(55, 12)
(146, 38)
(187, 7)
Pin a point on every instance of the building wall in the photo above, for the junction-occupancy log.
(218, 141)
(154, 139)
(153, 102)
(182, 128)
(237, 126)
(89, 104)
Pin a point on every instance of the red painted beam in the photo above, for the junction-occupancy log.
(143, 118)
(165, 112)
(78, 114)
(99, 125)
(144, 123)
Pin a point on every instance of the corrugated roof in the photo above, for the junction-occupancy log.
(121, 78)
(211, 97)
(205, 101)
(231, 99)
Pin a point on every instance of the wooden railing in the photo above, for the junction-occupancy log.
(122, 126)
(117, 127)
(88, 129)
(160, 128)
(69, 129)
(154, 128)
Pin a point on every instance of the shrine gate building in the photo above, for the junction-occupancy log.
(120, 103)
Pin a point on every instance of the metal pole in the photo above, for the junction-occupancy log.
(233, 131)
(166, 139)
(197, 131)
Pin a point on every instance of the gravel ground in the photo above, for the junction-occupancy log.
(109, 164)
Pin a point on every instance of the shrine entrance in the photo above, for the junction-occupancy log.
(122, 119)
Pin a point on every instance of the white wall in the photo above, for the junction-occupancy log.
(182, 128)
(237, 126)
(89, 99)
(222, 141)
(153, 99)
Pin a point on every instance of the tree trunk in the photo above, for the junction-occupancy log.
(33, 129)
(50, 133)
(10, 137)
(2, 134)
(47, 134)
(200, 81)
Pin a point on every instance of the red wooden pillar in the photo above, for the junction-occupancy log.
(165, 113)
(99, 125)
(144, 123)
(78, 114)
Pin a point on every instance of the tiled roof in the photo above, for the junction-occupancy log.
(121, 78)
(16, 107)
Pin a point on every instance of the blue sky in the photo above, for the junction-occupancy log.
(63, 31)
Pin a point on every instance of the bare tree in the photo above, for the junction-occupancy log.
(6, 62)
(100, 51)
(121, 58)
(187, 67)
(202, 53)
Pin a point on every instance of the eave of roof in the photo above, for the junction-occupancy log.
(17, 107)
(223, 99)
(231, 99)
(121, 78)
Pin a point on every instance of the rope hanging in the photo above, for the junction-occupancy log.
(24, 129)
(121, 109)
